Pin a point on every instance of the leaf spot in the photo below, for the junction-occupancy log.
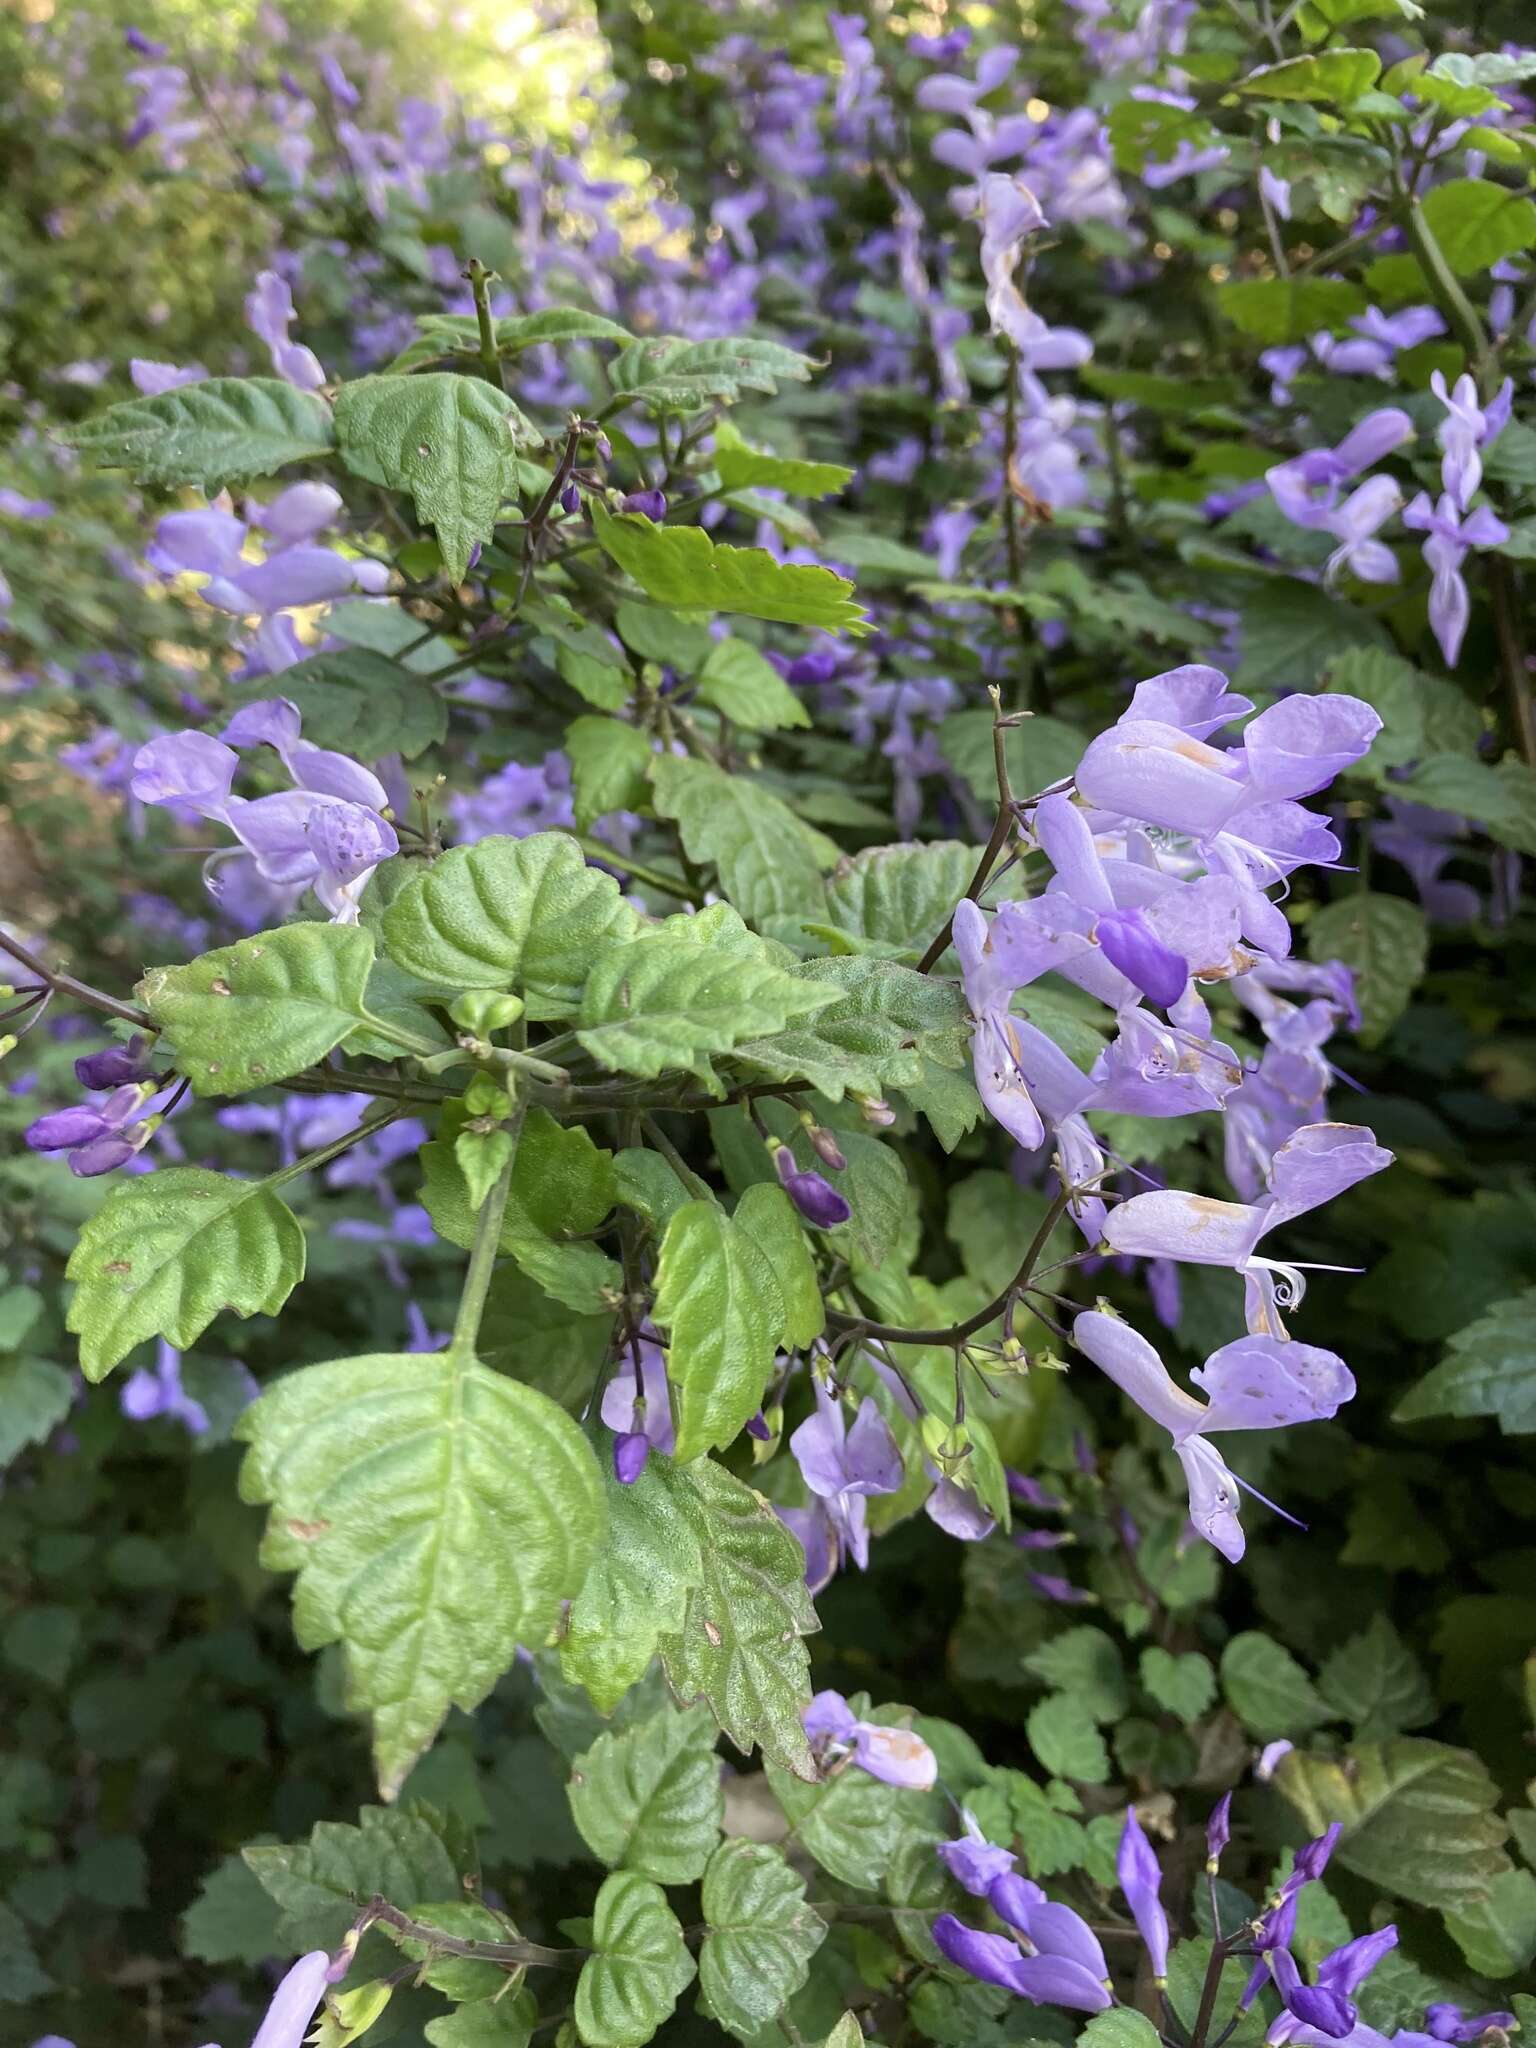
(307, 1532)
(715, 1637)
(219, 987)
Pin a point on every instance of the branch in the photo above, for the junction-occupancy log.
(1001, 828)
(515, 1955)
(82, 991)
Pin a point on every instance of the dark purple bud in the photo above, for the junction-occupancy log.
(1040, 1539)
(758, 1427)
(291, 85)
(570, 500)
(1312, 1857)
(604, 448)
(1130, 944)
(1051, 1586)
(1313, 2004)
(1022, 1487)
(1218, 1830)
(136, 39)
(62, 1129)
(474, 558)
(630, 1452)
(649, 504)
(1125, 1527)
(1082, 1451)
(114, 1065)
(826, 1147)
(816, 1199)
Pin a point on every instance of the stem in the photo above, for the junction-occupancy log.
(1208, 1994)
(515, 1954)
(82, 991)
(957, 1333)
(685, 1173)
(1444, 286)
(1001, 827)
(326, 1153)
(482, 1259)
(490, 355)
(1506, 617)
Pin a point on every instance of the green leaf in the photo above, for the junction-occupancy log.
(855, 1825)
(486, 2023)
(1184, 1685)
(681, 566)
(657, 634)
(770, 1220)
(1478, 223)
(1066, 1741)
(1489, 1369)
(437, 1515)
(1084, 1662)
(1377, 1683)
(263, 1009)
(661, 1002)
(1386, 941)
(638, 1587)
(1498, 1935)
(166, 1252)
(210, 434)
(1283, 309)
(1333, 76)
(747, 688)
(450, 441)
(1052, 1841)
(639, 1967)
(886, 1020)
(740, 1644)
(648, 1798)
(1418, 1817)
(232, 1919)
(22, 1976)
(769, 863)
(1161, 393)
(319, 1885)
(719, 1302)
(1039, 752)
(35, 1397)
(42, 1641)
(760, 1940)
(1267, 1689)
(359, 703)
(1118, 2028)
(900, 896)
(669, 375)
(742, 468)
(1502, 799)
(1293, 631)
(515, 331)
(507, 912)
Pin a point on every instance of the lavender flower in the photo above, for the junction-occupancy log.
(1141, 1878)
(269, 313)
(1450, 536)
(98, 1140)
(1466, 430)
(972, 1860)
(896, 1756)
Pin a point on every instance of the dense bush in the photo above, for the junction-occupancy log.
(723, 796)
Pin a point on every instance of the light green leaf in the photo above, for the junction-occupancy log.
(515, 331)
(507, 912)
(661, 1002)
(1066, 1741)
(1267, 1689)
(658, 634)
(748, 689)
(450, 441)
(1284, 309)
(210, 434)
(1418, 1817)
(1489, 1369)
(649, 1185)
(1039, 752)
(769, 863)
(531, 1336)
(682, 567)
(359, 703)
(1184, 1685)
(263, 1009)
(1084, 1662)
(638, 1587)
(1502, 800)
(1386, 941)
(1051, 1840)
(35, 1397)
(1498, 1935)
(740, 1644)
(740, 467)
(719, 1302)
(901, 896)
(639, 1967)
(769, 1219)
(649, 1799)
(437, 1515)
(1478, 223)
(166, 1252)
(1335, 77)
(762, 1935)
(1118, 2028)
(318, 1885)
(347, 2015)
(669, 375)
(886, 1020)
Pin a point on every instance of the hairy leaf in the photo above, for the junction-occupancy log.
(359, 703)
(210, 434)
(681, 566)
(319, 1884)
(760, 1940)
(648, 1798)
(1267, 1689)
(1386, 941)
(1489, 1369)
(639, 1966)
(719, 1302)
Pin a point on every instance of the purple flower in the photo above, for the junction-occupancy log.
(843, 1465)
(148, 1393)
(1275, 191)
(1271, 1756)
(1447, 2023)
(896, 1756)
(98, 1140)
(812, 1194)
(972, 1860)
(1063, 1963)
(154, 378)
(647, 504)
(1296, 485)
(1218, 1830)
(115, 1065)
(269, 314)
(294, 2003)
(1466, 430)
(1140, 1879)
(1450, 535)
(1010, 215)
(1354, 525)
(638, 1404)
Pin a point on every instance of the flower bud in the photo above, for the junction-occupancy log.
(648, 504)
(570, 500)
(1218, 1832)
(825, 1146)
(630, 1452)
(877, 1113)
(114, 1065)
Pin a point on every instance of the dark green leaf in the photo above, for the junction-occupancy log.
(760, 1940)
(648, 1798)
(639, 1967)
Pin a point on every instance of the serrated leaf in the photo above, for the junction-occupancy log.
(516, 331)
(262, 1009)
(682, 567)
(1489, 1369)
(1267, 1689)
(746, 687)
(450, 441)
(436, 1513)
(649, 1798)
(318, 1885)
(770, 1220)
(1386, 941)
(638, 1588)
(1066, 1741)
(608, 761)
(886, 1020)
(671, 375)
(740, 467)
(232, 1919)
(660, 1003)
(487, 2023)
(359, 703)
(1331, 76)
(854, 1825)
(1286, 309)
(1119, 2028)
(1498, 1935)
(760, 1940)
(1184, 1685)
(1418, 1817)
(719, 1303)
(166, 1252)
(508, 912)
(739, 1646)
(1084, 1662)
(901, 896)
(639, 1967)
(210, 434)
(35, 1397)
(1377, 1683)
(1478, 223)
(769, 863)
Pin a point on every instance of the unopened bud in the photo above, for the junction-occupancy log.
(877, 1113)
(570, 500)
(824, 1145)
